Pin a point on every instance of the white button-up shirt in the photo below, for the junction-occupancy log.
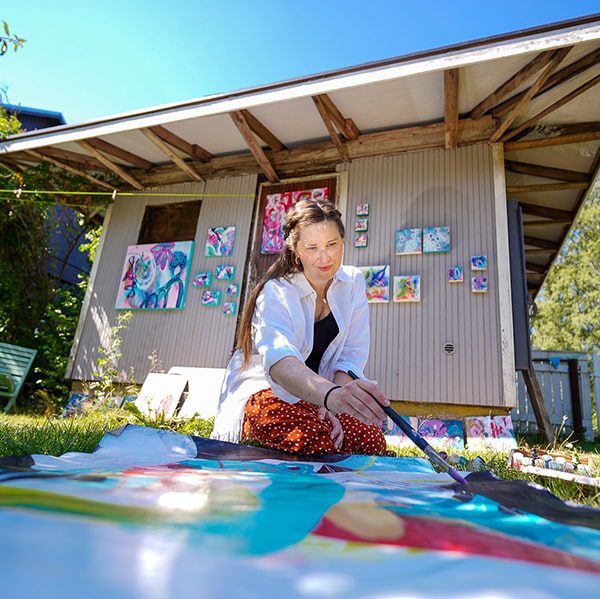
(282, 326)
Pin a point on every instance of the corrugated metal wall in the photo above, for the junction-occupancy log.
(421, 189)
(194, 336)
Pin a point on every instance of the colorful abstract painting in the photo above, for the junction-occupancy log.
(479, 284)
(225, 272)
(394, 435)
(155, 276)
(442, 434)
(478, 262)
(232, 289)
(490, 432)
(455, 274)
(407, 288)
(203, 279)
(362, 209)
(277, 205)
(361, 240)
(220, 241)
(409, 241)
(377, 279)
(361, 225)
(436, 240)
(211, 297)
(229, 308)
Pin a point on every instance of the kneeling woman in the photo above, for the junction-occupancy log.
(305, 326)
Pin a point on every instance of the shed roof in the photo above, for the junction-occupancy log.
(533, 90)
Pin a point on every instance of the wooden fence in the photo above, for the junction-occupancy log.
(552, 369)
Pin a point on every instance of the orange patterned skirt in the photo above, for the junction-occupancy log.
(296, 428)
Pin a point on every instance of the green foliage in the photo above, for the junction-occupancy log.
(569, 305)
(8, 39)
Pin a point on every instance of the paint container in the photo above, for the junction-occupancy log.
(477, 464)
(452, 459)
(517, 459)
(560, 463)
(539, 463)
(569, 467)
(553, 465)
(462, 463)
(547, 459)
(583, 469)
(443, 455)
(526, 461)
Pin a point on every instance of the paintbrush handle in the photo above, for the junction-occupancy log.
(417, 439)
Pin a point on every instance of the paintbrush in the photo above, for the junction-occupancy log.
(417, 439)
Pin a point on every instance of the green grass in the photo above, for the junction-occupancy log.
(22, 435)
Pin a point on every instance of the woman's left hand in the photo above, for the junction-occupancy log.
(337, 434)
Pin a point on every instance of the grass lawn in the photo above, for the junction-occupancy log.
(21, 435)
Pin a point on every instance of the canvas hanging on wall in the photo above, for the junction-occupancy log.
(377, 279)
(232, 289)
(362, 209)
(407, 288)
(203, 279)
(220, 241)
(361, 225)
(361, 240)
(225, 272)
(229, 308)
(479, 284)
(276, 208)
(211, 297)
(455, 274)
(409, 241)
(478, 262)
(155, 276)
(436, 240)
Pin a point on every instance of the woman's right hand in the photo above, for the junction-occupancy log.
(361, 399)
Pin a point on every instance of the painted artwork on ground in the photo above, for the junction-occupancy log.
(377, 279)
(211, 297)
(436, 240)
(361, 240)
(362, 209)
(478, 262)
(203, 279)
(442, 434)
(229, 308)
(490, 432)
(479, 284)
(155, 276)
(232, 289)
(407, 288)
(276, 208)
(220, 241)
(409, 241)
(225, 272)
(361, 225)
(455, 274)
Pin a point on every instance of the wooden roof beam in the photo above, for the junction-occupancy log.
(73, 158)
(557, 57)
(71, 170)
(117, 152)
(555, 140)
(239, 120)
(546, 244)
(451, 108)
(192, 150)
(547, 222)
(540, 251)
(265, 134)
(110, 165)
(546, 212)
(544, 187)
(345, 126)
(164, 147)
(327, 121)
(533, 267)
(538, 170)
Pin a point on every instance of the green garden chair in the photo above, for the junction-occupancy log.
(15, 363)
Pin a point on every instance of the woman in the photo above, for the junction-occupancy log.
(305, 326)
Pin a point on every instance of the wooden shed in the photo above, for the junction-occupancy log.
(495, 139)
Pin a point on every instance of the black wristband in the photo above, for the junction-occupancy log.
(327, 396)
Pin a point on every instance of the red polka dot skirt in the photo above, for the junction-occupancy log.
(296, 428)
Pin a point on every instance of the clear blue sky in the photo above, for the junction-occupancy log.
(91, 58)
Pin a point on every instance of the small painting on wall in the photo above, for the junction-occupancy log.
(377, 279)
(361, 240)
(232, 289)
(229, 308)
(409, 241)
(407, 288)
(361, 225)
(442, 434)
(478, 262)
(203, 279)
(211, 297)
(220, 241)
(455, 274)
(479, 284)
(225, 272)
(436, 240)
(362, 209)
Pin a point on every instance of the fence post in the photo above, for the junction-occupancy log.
(596, 383)
(576, 398)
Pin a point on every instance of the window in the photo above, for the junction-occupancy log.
(170, 222)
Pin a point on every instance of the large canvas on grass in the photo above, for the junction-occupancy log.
(155, 276)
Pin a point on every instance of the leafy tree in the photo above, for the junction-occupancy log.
(568, 316)
(8, 39)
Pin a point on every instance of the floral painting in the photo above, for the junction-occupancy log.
(361, 225)
(409, 241)
(407, 288)
(377, 279)
(361, 240)
(220, 241)
(276, 208)
(442, 434)
(232, 289)
(362, 209)
(155, 276)
(436, 240)
(455, 274)
(478, 262)
(479, 284)
(229, 308)
(225, 272)
(490, 432)
(211, 297)
(203, 279)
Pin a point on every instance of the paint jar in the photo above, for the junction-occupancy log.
(547, 458)
(517, 459)
(539, 463)
(569, 467)
(560, 462)
(526, 461)
(553, 465)
(452, 459)
(462, 463)
(583, 469)
(443, 455)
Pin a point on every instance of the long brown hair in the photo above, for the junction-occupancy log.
(304, 213)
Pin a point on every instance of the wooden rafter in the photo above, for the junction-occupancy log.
(547, 222)
(540, 251)
(533, 267)
(239, 120)
(451, 108)
(164, 147)
(265, 134)
(110, 165)
(555, 60)
(70, 169)
(546, 212)
(556, 140)
(558, 78)
(327, 121)
(344, 125)
(117, 152)
(192, 150)
(73, 158)
(11, 165)
(538, 170)
(546, 244)
(522, 75)
(544, 187)
(540, 115)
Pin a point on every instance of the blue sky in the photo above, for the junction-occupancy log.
(91, 58)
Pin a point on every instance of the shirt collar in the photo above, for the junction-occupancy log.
(299, 280)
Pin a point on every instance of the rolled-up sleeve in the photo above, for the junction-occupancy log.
(273, 328)
(355, 351)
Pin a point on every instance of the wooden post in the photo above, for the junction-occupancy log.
(536, 398)
(578, 428)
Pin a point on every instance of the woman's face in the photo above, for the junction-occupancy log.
(319, 249)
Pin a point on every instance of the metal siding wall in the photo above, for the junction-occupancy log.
(195, 336)
(421, 189)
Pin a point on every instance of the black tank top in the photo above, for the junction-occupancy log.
(326, 331)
